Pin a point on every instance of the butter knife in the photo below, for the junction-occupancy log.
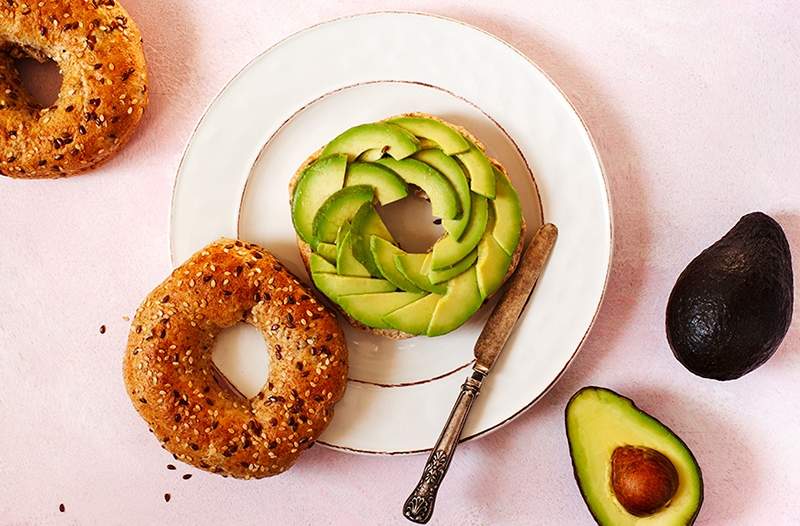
(419, 505)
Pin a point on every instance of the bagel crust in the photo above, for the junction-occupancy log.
(190, 407)
(103, 95)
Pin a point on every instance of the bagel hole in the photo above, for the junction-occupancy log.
(42, 80)
(241, 356)
(412, 223)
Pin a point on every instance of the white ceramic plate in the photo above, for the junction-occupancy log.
(298, 95)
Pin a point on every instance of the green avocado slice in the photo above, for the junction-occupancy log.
(440, 276)
(450, 168)
(383, 253)
(508, 214)
(346, 263)
(388, 186)
(370, 309)
(338, 208)
(335, 286)
(317, 182)
(462, 300)
(449, 139)
(415, 317)
(598, 422)
(320, 265)
(367, 223)
(371, 155)
(492, 265)
(444, 201)
(411, 266)
(326, 250)
(481, 173)
(386, 137)
(448, 251)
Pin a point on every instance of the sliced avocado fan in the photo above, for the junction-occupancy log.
(355, 261)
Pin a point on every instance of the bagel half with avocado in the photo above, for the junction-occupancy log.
(351, 255)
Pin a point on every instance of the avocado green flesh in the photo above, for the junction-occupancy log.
(492, 265)
(441, 276)
(450, 140)
(318, 264)
(481, 173)
(450, 168)
(388, 186)
(334, 286)
(327, 251)
(367, 223)
(392, 139)
(346, 263)
(507, 226)
(317, 182)
(598, 421)
(383, 253)
(415, 317)
(338, 208)
(462, 300)
(411, 266)
(448, 251)
(370, 156)
(444, 201)
(370, 309)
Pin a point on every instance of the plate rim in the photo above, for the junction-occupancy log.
(566, 98)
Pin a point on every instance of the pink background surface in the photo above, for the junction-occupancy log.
(696, 113)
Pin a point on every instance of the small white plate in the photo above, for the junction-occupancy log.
(305, 90)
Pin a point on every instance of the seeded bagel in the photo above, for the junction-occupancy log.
(98, 49)
(306, 250)
(190, 407)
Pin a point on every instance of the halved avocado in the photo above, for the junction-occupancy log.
(388, 186)
(370, 309)
(346, 263)
(446, 274)
(335, 286)
(462, 300)
(388, 138)
(492, 265)
(367, 223)
(317, 182)
(415, 317)
(318, 264)
(602, 424)
(508, 214)
(450, 168)
(326, 250)
(481, 173)
(448, 250)
(338, 208)
(443, 197)
(411, 266)
(449, 139)
(383, 253)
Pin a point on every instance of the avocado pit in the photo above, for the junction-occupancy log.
(643, 480)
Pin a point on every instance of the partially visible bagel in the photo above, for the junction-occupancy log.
(306, 251)
(103, 95)
(190, 407)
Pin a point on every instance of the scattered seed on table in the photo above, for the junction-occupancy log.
(61, 508)
(126, 318)
(167, 496)
(102, 329)
(170, 467)
(187, 476)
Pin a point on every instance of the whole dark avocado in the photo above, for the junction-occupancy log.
(731, 307)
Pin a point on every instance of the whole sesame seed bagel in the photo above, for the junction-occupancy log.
(103, 93)
(189, 405)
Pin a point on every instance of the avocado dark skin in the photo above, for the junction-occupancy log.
(732, 306)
